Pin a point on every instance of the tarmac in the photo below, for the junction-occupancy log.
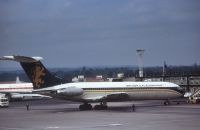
(54, 114)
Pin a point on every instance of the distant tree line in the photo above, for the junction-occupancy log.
(106, 72)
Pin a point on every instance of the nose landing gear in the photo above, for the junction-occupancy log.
(167, 102)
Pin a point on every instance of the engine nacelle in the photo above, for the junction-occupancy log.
(70, 91)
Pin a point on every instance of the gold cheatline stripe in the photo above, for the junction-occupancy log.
(133, 90)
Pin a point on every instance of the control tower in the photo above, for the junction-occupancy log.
(140, 53)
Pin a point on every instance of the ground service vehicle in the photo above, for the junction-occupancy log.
(4, 100)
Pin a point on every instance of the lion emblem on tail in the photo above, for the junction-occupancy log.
(38, 76)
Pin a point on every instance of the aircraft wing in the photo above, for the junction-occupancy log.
(28, 96)
(109, 97)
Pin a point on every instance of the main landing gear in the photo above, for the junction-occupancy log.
(102, 106)
(85, 106)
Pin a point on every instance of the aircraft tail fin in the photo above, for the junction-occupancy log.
(35, 70)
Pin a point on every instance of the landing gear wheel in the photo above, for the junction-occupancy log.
(102, 106)
(85, 106)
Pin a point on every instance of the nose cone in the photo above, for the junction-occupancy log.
(178, 89)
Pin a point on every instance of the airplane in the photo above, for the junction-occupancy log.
(19, 91)
(88, 92)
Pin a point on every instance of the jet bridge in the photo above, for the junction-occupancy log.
(195, 97)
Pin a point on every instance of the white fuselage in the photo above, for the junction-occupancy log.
(20, 91)
(134, 90)
(16, 88)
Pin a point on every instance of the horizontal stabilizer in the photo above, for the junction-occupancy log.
(22, 59)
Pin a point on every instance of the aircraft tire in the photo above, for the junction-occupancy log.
(100, 107)
(84, 107)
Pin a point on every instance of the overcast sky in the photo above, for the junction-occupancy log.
(73, 33)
